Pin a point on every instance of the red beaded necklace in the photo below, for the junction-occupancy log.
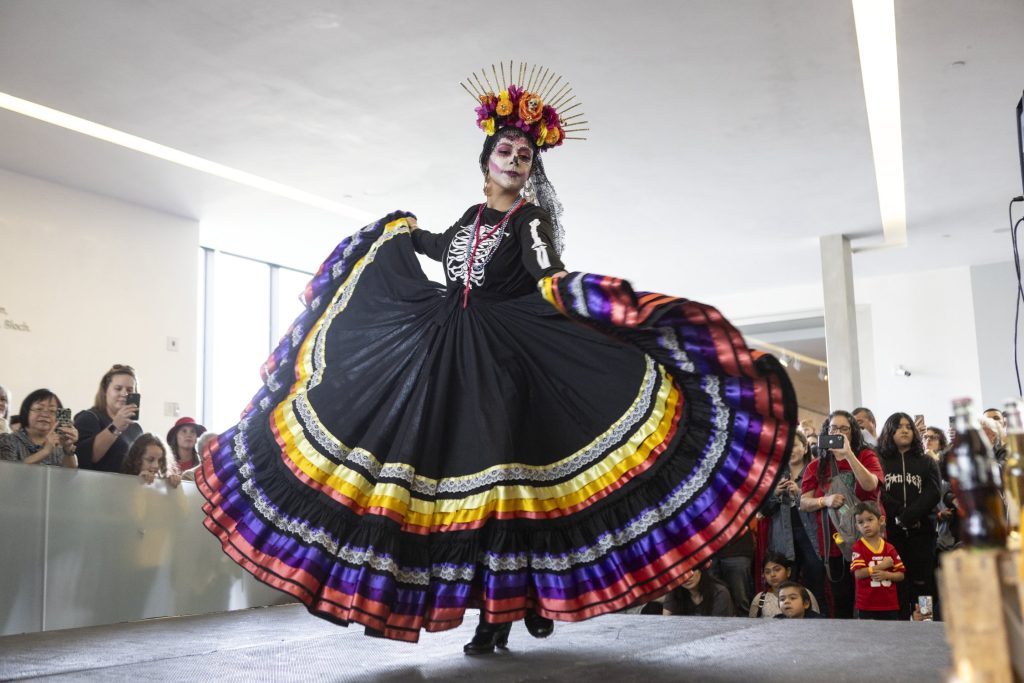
(477, 240)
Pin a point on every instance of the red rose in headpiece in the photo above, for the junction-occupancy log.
(530, 108)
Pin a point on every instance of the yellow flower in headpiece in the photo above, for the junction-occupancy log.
(488, 125)
(504, 106)
(530, 108)
(542, 134)
(553, 136)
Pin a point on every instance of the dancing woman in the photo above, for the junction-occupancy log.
(533, 443)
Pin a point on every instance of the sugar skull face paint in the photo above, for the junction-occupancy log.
(510, 163)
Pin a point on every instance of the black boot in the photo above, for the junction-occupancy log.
(487, 637)
(538, 626)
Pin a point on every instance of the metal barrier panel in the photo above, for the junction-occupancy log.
(22, 547)
(111, 550)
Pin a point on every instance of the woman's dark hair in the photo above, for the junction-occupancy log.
(802, 438)
(943, 441)
(886, 445)
(100, 402)
(779, 559)
(507, 133)
(133, 461)
(856, 443)
(33, 398)
(706, 588)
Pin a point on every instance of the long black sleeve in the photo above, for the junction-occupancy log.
(931, 492)
(432, 244)
(539, 256)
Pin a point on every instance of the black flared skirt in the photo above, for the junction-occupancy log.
(574, 450)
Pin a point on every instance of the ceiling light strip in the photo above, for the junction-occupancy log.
(875, 22)
(175, 156)
(783, 351)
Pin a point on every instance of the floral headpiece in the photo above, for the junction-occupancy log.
(529, 100)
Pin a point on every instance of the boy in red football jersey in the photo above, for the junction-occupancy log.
(876, 566)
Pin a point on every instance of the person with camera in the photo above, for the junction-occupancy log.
(912, 489)
(107, 430)
(46, 434)
(845, 473)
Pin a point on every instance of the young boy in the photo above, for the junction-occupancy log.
(876, 566)
(795, 602)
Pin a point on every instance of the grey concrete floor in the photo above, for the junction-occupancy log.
(285, 643)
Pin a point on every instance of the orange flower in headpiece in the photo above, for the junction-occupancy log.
(487, 100)
(552, 136)
(530, 108)
(504, 106)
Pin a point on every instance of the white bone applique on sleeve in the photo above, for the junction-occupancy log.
(538, 246)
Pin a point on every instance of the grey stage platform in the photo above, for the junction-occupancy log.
(285, 643)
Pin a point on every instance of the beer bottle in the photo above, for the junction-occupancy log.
(1013, 470)
(976, 480)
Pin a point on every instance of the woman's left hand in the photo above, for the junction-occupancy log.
(174, 480)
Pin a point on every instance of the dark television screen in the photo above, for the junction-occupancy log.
(1020, 136)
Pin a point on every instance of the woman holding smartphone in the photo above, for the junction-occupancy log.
(107, 430)
(842, 448)
(41, 438)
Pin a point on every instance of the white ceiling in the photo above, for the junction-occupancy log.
(725, 136)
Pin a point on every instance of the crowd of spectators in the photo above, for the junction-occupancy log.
(106, 437)
(852, 529)
(853, 526)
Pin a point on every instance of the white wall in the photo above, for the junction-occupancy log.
(994, 289)
(94, 281)
(935, 323)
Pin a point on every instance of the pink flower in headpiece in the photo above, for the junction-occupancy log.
(514, 92)
(550, 116)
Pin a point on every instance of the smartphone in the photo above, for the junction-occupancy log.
(919, 419)
(830, 441)
(135, 400)
(63, 418)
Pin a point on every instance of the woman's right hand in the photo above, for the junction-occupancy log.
(52, 441)
(124, 416)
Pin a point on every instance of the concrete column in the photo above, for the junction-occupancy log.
(840, 323)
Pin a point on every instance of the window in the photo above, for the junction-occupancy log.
(248, 305)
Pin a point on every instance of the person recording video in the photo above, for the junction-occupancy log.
(846, 472)
(107, 430)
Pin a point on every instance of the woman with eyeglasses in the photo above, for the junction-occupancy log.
(108, 429)
(852, 460)
(40, 439)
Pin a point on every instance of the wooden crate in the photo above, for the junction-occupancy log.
(982, 605)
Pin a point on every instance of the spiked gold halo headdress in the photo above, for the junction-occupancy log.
(530, 98)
